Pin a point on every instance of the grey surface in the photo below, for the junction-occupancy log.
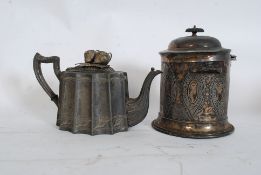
(134, 31)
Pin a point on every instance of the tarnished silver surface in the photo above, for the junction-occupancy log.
(93, 98)
(194, 88)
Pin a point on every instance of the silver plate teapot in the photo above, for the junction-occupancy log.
(93, 97)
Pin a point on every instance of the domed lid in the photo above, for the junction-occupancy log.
(194, 43)
(95, 62)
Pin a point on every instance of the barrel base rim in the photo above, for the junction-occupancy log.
(161, 126)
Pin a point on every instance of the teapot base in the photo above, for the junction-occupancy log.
(89, 132)
(194, 130)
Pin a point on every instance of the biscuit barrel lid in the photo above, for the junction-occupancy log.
(194, 43)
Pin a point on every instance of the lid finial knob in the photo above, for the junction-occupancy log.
(97, 57)
(194, 30)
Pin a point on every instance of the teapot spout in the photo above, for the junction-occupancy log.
(137, 108)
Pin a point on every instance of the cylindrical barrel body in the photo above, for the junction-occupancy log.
(194, 95)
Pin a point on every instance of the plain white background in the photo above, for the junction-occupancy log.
(134, 31)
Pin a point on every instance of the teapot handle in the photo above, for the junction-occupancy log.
(38, 59)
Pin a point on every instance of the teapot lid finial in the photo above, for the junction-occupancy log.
(97, 57)
(94, 61)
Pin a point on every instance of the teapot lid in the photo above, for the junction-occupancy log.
(194, 43)
(96, 61)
